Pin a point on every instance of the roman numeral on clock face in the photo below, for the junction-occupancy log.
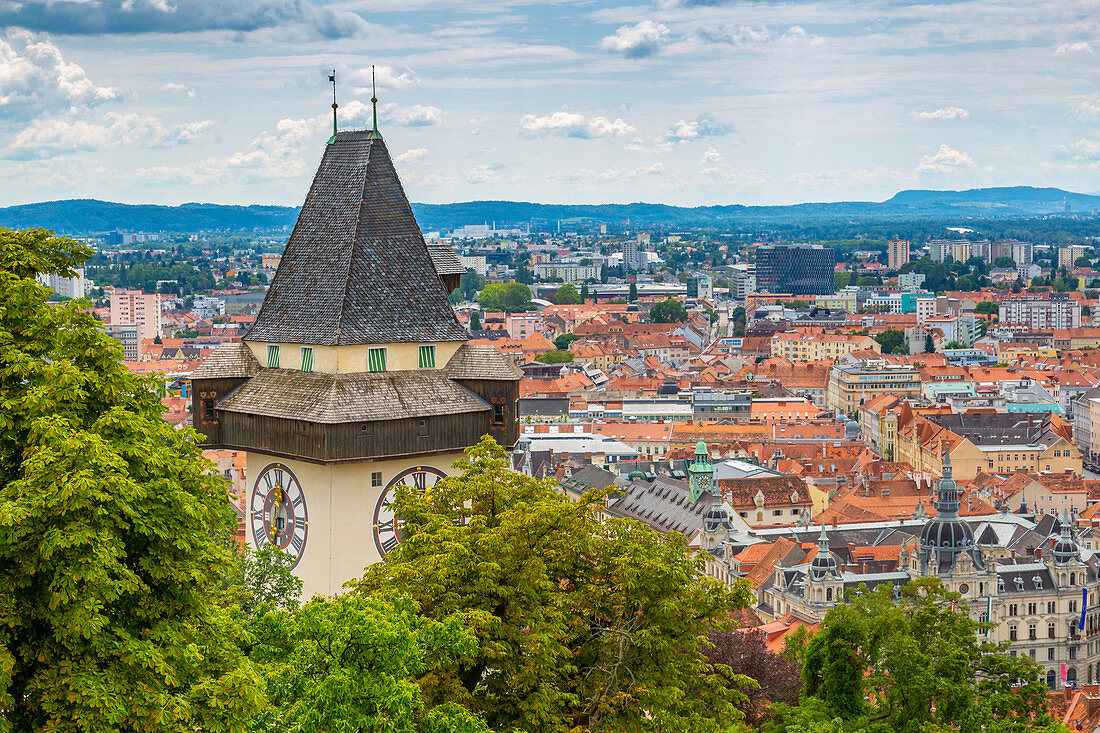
(278, 511)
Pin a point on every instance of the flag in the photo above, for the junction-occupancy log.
(332, 77)
(1084, 605)
(988, 613)
(1063, 672)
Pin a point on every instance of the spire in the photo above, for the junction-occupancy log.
(701, 473)
(823, 539)
(947, 497)
(374, 105)
(332, 78)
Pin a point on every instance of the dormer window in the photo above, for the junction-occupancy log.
(307, 358)
(1000, 585)
(1038, 582)
(273, 356)
(1019, 583)
(427, 357)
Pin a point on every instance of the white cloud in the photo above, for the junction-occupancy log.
(45, 138)
(943, 113)
(416, 115)
(411, 156)
(1075, 47)
(485, 173)
(1086, 109)
(636, 41)
(944, 160)
(36, 79)
(704, 125)
(733, 35)
(739, 178)
(178, 89)
(571, 124)
(387, 77)
(711, 156)
(1082, 149)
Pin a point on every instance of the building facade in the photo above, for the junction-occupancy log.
(795, 269)
(139, 308)
(853, 385)
(1041, 312)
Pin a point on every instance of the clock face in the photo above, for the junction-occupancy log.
(387, 530)
(277, 511)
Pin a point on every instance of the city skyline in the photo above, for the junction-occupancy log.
(683, 102)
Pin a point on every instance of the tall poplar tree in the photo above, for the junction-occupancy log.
(108, 527)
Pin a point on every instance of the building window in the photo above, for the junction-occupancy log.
(273, 356)
(376, 359)
(1050, 630)
(375, 479)
(1050, 654)
(1012, 632)
(208, 409)
(777, 512)
(427, 357)
(1012, 609)
(1073, 606)
(1031, 653)
(307, 358)
(498, 414)
(1050, 607)
(1073, 579)
(1031, 632)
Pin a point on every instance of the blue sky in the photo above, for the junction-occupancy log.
(684, 102)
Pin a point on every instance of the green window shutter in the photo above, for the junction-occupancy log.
(376, 360)
(273, 356)
(307, 358)
(427, 357)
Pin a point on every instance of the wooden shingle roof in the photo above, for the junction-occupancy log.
(357, 269)
(362, 397)
(229, 360)
(481, 361)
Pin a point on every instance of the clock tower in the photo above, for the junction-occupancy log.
(355, 377)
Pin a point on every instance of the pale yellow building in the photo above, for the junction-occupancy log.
(804, 347)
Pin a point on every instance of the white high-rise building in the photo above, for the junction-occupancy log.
(67, 287)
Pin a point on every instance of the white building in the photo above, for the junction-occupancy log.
(1050, 310)
(67, 287)
(570, 273)
(476, 263)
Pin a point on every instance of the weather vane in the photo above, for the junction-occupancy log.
(332, 78)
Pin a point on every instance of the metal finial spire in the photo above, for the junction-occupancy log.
(374, 103)
(332, 78)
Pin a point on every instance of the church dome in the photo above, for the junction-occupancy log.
(635, 475)
(851, 430)
(946, 535)
(1065, 548)
(824, 563)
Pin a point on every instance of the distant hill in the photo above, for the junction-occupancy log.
(86, 216)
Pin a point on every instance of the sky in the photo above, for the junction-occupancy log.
(685, 102)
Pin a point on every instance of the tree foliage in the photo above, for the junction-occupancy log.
(567, 295)
(915, 664)
(554, 356)
(507, 297)
(669, 310)
(892, 341)
(108, 525)
(350, 664)
(582, 621)
(778, 679)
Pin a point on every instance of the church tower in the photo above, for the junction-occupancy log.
(356, 375)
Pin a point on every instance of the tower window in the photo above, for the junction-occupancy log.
(376, 359)
(498, 414)
(208, 409)
(375, 479)
(307, 358)
(427, 357)
(273, 356)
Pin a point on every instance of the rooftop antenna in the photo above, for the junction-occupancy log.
(332, 78)
(374, 104)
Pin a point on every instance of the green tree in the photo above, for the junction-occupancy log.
(738, 320)
(567, 295)
(582, 621)
(475, 320)
(633, 294)
(668, 311)
(603, 273)
(841, 280)
(929, 344)
(955, 345)
(562, 342)
(917, 664)
(555, 356)
(108, 524)
(508, 297)
(1004, 262)
(987, 307)
(892, 341)
(350, 663)
(584, 293)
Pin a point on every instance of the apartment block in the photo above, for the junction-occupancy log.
(138, 308)
(1041, 311)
